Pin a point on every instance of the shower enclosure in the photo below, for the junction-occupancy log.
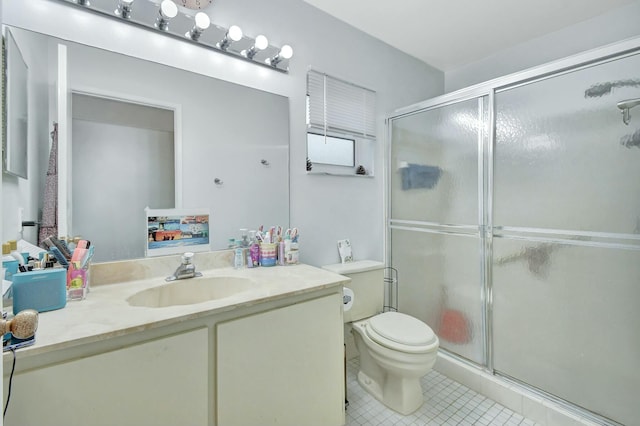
(514, 224)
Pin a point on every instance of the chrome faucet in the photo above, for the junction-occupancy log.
(185, 270)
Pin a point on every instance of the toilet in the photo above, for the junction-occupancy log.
(396, 350)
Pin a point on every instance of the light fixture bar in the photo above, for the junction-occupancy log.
(170, 19)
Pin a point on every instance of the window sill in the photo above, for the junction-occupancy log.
(319, 173)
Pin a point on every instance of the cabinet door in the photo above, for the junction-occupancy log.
(282, 367)
(162, 382)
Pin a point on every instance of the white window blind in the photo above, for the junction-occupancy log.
(338, 106)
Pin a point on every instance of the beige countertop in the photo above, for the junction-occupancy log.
(105, 313)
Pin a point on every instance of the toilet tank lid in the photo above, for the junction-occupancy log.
(354, 267)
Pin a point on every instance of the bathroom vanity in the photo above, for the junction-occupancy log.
(269, 352)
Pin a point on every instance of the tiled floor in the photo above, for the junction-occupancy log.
(446, 403)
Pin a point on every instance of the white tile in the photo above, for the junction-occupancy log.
(446, 403)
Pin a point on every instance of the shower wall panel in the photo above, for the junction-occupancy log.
(434, 162)
(565, 321)
(436, 221)
(440, 283)
(566, 257)
(563, 157)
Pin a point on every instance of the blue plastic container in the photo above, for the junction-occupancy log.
(44, 290)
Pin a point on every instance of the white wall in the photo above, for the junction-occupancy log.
(27, 193)
(619, 24)
(325, 209)
(145, 178)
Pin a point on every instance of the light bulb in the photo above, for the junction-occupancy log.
(168, 9)
(235, 33)
(286, 52)
(261, 42)
(202, 21)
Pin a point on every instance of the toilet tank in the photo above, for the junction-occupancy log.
(367, 283)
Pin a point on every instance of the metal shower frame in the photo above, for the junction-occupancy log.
(485, 231)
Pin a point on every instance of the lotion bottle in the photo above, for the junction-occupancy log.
(254, 249)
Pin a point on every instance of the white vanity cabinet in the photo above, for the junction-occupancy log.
(160, 382)
(273, 362)
(282, 367)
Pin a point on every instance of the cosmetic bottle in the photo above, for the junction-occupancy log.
(254, 249)
(281, 253)
(238, 261)
(244, 238)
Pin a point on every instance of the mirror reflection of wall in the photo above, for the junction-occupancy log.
(16, 74)
(22, 197)
(121, 151)
(221, 131)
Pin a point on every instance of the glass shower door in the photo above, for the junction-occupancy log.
(436, 221)
(566, 247)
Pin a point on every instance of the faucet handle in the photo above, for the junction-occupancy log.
(186, 258)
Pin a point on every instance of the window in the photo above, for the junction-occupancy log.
(331, 150)
(341, 125)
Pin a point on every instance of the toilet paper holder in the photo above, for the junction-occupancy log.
(347, 298)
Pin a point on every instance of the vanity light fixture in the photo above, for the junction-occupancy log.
(286, 52)
(168, 10)
(123, 9)
(189, 22)
(202, 23)
(261, 42)
(234, 33)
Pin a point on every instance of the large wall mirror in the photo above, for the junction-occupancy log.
(144, 134)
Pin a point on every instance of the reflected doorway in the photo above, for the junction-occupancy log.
(123, 158)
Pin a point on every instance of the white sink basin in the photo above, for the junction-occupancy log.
(191, 291)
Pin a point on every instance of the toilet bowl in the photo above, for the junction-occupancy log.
(396, 351)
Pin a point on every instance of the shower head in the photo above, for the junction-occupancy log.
(625, 106)
(628, 103)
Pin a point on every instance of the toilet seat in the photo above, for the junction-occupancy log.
(401, 332)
